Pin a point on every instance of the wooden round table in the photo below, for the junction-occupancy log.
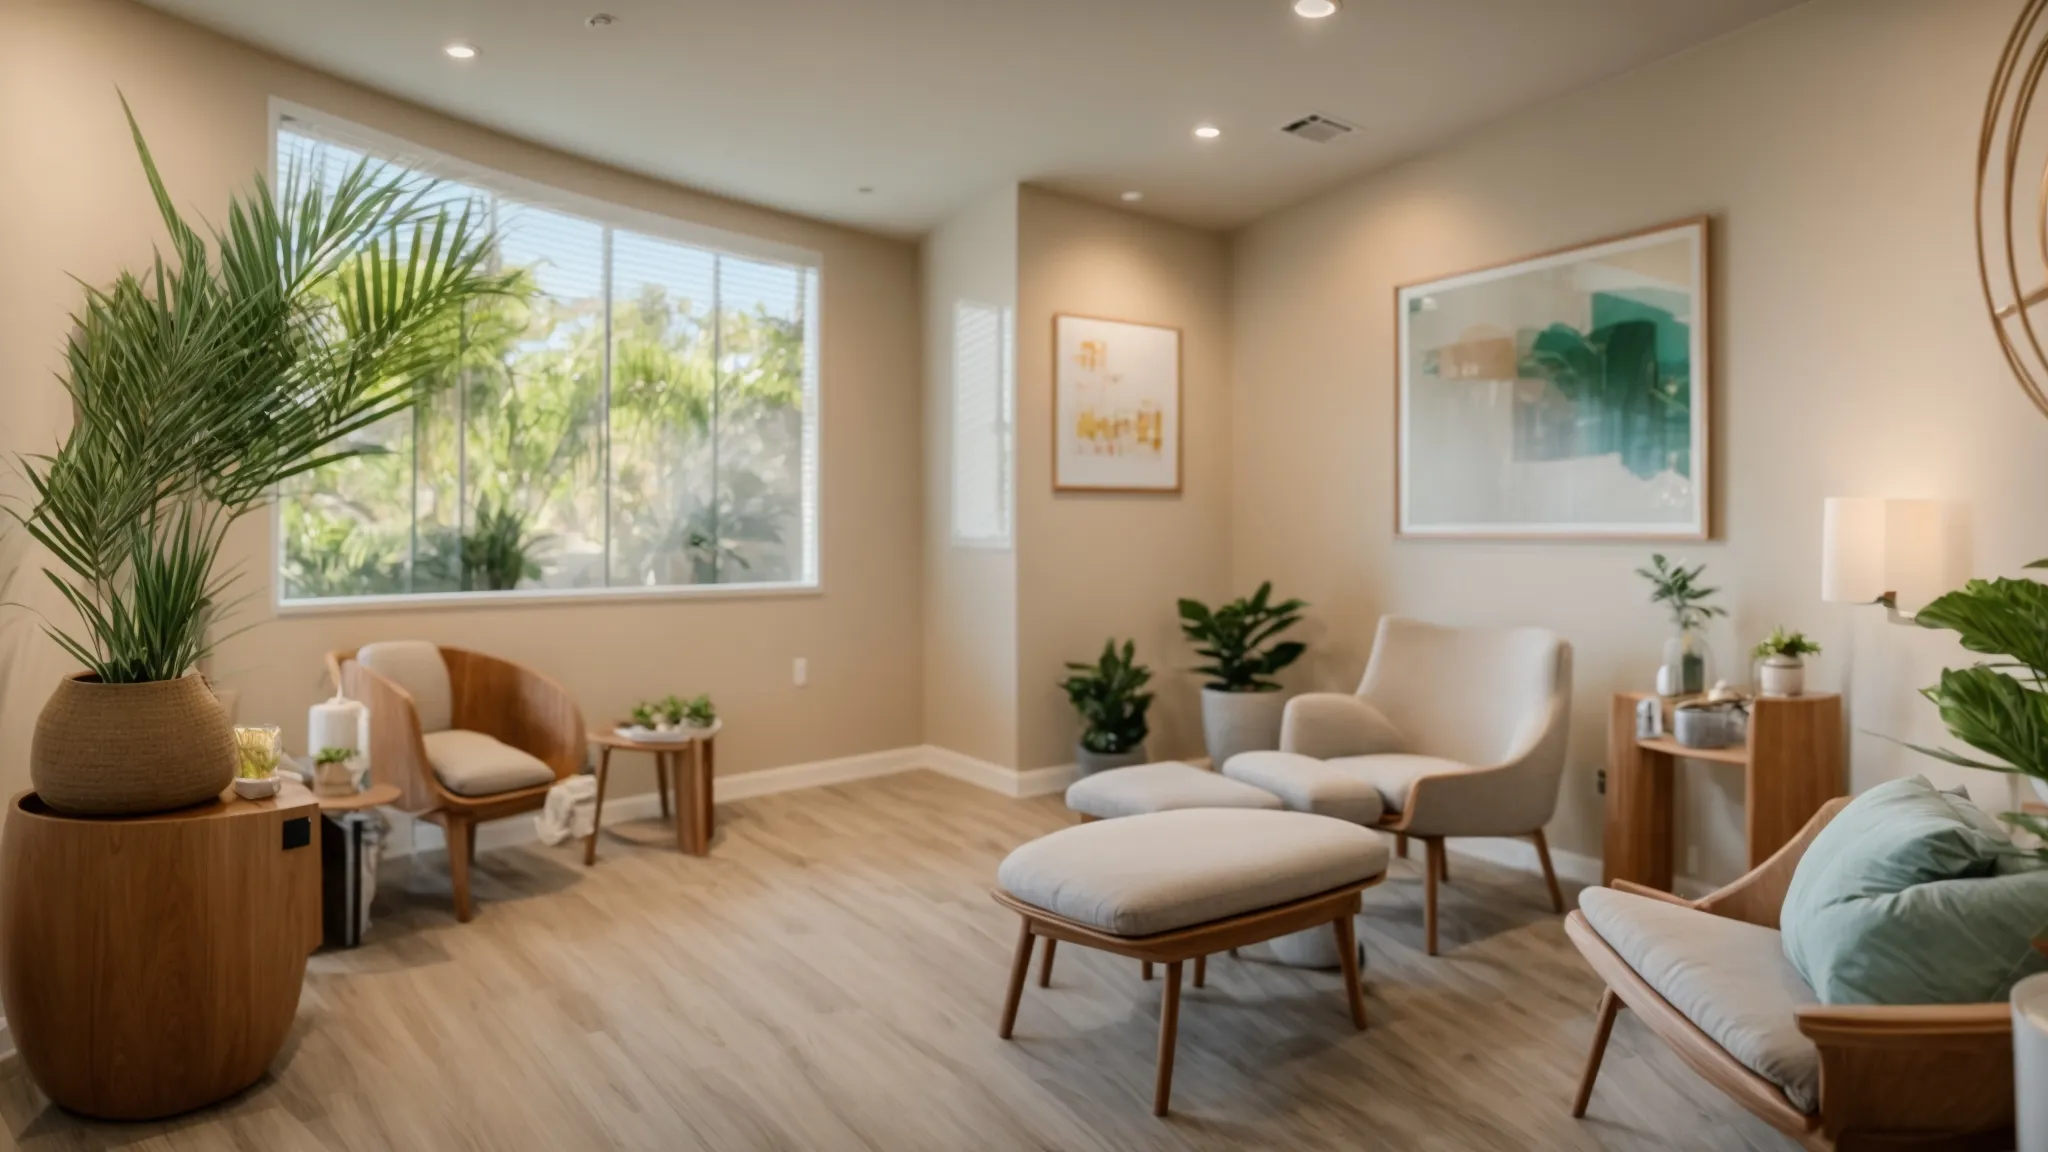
(694, 828)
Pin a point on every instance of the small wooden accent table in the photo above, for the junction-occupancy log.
(151, 965)
(341, 860)
(1793, 763)
(699, 753)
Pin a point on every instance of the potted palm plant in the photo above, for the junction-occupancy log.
(1241, 704)
(1109, 695)
(1782, 671)
(230, 363)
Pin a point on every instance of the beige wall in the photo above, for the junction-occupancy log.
(73, 202)
(1093, 566)
(1834, 146)
(970, 608)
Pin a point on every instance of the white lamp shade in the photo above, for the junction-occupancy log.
(1871, 548)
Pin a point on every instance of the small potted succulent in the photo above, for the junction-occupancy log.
(669, 713)
(699, 713)
(1783, 668)
(335, 771)
(257, 753)
(1109, 696)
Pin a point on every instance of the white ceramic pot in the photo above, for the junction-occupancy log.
(2030, 1061)
(1090, 762)
(1782, 676)
(1234, 722)
(256, 788)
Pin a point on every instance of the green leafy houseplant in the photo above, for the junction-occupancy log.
(333, 756)
(1998, 707)
(1783, 643)
(1678, 588)
(1238, 638)
(698, 712)
(1109, 695)
(498, 553)
(229, 364)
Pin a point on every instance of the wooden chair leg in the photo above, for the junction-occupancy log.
(1610, 1005)
(1045, 963)
(1169, 1031)
(661, 761)
(1147, 969)
(459, 835)
(1201, 970)
(604, 762)
(1549, 873)
(1401, 845)
(1020, 966)
(1432, 870)
(1347, 958)
(1443, 861)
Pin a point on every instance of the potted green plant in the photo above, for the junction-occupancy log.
(229, 364)
(1109, 695)
(1687, 659)
(335, 771)
(699, 713)
(1998, 707)
(257, 751)
(669, 713)
(1782, 671)
(1241, 704)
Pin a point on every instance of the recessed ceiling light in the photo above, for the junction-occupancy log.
(1208, 132)
(461, 51)
(1133, 196)
(1315, 9)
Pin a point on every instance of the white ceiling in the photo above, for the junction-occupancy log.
(799, 103)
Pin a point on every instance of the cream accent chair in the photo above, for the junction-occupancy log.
(466, 737)
(1461, 730)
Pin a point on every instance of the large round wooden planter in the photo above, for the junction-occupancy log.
(151, 965)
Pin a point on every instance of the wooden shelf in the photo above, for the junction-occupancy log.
(1735, 754)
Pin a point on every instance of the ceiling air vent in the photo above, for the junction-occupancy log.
(1318, 129)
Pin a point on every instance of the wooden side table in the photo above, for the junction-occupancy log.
(151, 965)
(1793, 763)
(698, 754)
(346, 818)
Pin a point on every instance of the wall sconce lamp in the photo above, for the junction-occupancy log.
(1877, 551)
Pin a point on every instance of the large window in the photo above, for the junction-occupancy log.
(982, 434)
(640, 413)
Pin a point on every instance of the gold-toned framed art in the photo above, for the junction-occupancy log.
(1116, 406)
(1560, 396)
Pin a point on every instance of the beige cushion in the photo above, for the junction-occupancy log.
(1304, 784)
(473, 764)
(1393, 775)
(1160, 787)
(417, 667)
(1729, 978)
(1327, 725)
(1159, 871)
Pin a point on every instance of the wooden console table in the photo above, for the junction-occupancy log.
(1793, 763)
(151, 965)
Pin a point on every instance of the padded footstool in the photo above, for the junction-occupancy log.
(1305, 784)
(1161, 787)
(1169, 887)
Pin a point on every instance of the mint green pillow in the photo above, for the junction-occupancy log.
(1913, 896)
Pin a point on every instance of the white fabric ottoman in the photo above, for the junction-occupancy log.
(1170, 887)
(1162, 787)
(1305, 784)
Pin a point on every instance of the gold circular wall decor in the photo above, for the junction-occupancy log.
(2005, 220)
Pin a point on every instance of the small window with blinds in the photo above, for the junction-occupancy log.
(638, 415)
(982, 425)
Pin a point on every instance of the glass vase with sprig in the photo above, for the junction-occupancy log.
(1688, 660)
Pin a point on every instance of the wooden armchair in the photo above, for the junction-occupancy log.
(481, 697)
(1891, 1077)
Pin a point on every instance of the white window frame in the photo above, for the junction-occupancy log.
(1006, 427)
(441, 165)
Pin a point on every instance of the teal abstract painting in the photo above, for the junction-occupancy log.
(1559, 396)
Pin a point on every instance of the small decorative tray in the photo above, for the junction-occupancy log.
(656, 736)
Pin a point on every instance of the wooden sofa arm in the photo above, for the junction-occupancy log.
(1928, 1075)
(519, 706)
(1644, 890)
(1756, 897)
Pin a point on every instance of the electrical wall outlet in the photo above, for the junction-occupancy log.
(1600, 782)
(800, 672)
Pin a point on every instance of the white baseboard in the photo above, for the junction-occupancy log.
(994, 777)
(1572, 866)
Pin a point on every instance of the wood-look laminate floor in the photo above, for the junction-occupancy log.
(830, 979)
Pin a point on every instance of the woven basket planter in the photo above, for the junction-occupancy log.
(128, 749)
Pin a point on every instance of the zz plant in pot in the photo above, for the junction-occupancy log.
(1242, 704)
(1109, 695)
(229, 363)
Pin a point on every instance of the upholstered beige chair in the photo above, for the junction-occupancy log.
(1460, 730)
(465, 737)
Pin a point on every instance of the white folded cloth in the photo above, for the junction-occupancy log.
(571, 810)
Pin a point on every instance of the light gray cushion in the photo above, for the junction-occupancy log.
(1729, 978)
(473, 764)
(1395, 773)
(1160, 787)
(1304, 784)
(417, 667)
(1159, 871)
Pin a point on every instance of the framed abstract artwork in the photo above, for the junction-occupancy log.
(1116, 406)
(1561, 396)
